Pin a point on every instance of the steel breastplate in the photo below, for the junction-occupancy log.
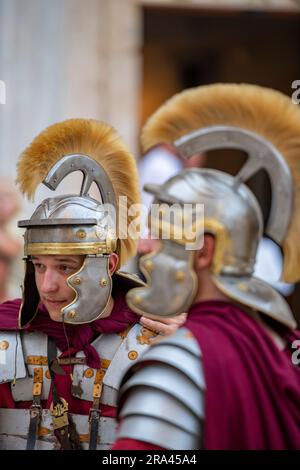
(117, 353)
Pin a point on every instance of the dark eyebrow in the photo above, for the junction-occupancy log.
(58, 260)
(67, 261)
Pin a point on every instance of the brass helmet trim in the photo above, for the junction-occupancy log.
(36, 249)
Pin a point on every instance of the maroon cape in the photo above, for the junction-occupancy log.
(253, 389)
(79, 336)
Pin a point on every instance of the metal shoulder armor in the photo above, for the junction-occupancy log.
(161, 396)
(12, 364)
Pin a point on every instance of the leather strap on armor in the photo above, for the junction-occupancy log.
(95, 410)
(63, 426)
(94, 417)
(35, 409)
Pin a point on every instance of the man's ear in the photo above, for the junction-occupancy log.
(113, 263)
(204, 256)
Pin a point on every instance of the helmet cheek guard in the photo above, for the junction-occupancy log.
(171, 282)
(92, 286)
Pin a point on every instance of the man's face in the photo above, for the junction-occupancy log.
(51, 273)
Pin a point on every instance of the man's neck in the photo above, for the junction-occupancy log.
(207, 290)
(109, 308)
(3, 295)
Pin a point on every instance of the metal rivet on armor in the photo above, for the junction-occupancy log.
(80, 234)
(180, 276)
(112, 246)
(89, 373)
(103, 282)
(47, 374)
(189, 335)
(77, 280)
(72, 314)
(149, 264)
(243, 286)
(4, 345)
(137, 299)
(132, 355)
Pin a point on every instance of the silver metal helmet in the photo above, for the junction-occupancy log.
(77, 224)
(231, 211)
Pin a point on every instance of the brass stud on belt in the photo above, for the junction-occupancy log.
(132, 355)
(72, 314)
(89, 373)
(103, 282)
(4, 345)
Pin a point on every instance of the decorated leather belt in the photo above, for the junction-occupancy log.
(66, 361)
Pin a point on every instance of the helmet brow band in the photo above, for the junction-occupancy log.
(70, 248)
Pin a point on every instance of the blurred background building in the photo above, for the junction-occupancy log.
(118, 60)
